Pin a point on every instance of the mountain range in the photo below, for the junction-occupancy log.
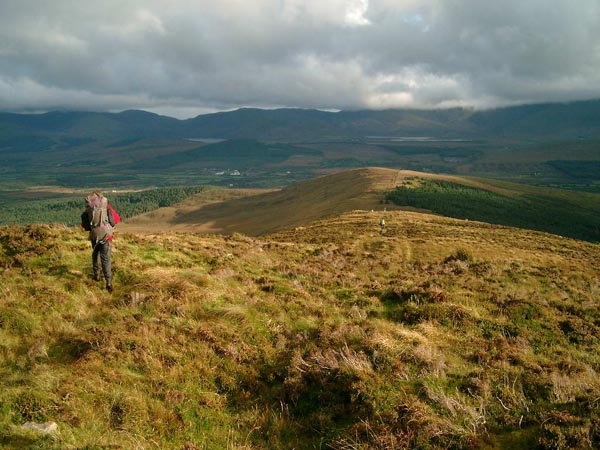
(579, 120)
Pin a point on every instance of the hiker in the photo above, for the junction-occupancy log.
(382, 226)
(99, 218)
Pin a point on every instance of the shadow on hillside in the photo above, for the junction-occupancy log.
(20, 441)
(319, 399)
(68, 349)
(63, 271)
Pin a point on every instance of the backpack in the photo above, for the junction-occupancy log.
(99, 216)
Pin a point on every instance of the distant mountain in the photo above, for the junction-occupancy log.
(96, 125)
(277, 124)
(299, 124)
(561, 120)
(555, 120)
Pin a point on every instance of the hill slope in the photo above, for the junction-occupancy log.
(562, 212)
(293, 206)
(290, 207)
(438, 334)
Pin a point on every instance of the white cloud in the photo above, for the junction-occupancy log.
(332, 12)
(29, 95)
(356, 11)
(137, 23)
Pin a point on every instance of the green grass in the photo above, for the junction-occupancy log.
(437, 334)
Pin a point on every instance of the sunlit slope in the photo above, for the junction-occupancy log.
(290, 207)
(293, 206)
(366, 189)
(438, 333)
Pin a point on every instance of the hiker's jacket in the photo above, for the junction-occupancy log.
(85, 223)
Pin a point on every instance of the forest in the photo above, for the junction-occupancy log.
(67, 210)
(532, 211)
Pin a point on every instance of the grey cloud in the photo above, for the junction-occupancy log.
(204, 55)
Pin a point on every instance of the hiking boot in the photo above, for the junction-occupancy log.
(96, 277)
(109, 287)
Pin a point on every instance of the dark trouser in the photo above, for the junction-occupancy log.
(102, 252)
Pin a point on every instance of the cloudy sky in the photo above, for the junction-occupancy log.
(186, 57)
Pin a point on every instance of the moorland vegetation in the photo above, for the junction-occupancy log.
(433, 333)
(255, 212)
(436, 334)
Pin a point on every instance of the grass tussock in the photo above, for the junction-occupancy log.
(439, 334)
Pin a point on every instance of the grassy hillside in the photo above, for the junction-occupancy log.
(437, 334)
(293, 206)
(568, 213)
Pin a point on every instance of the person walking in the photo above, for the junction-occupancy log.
(100, 218)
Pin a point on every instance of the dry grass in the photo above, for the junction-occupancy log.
(267, 212)
(439, 334)
(257, 212)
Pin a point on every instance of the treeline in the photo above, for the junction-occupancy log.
(587, 170)
(536, 212)
(68, 210)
